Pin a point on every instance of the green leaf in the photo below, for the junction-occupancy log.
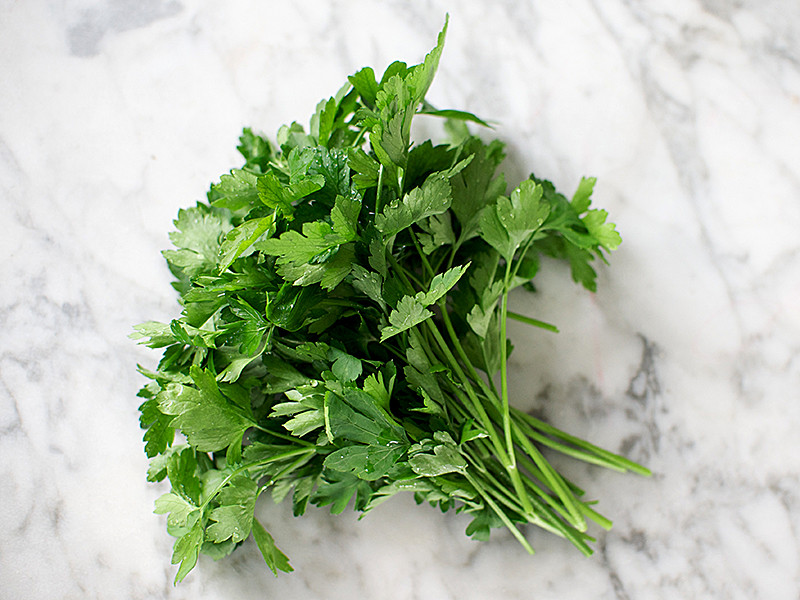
(313, 256)
(281, 376)
(290, 306)
(233, 518)
(249, 330)
(330, 272)
(206, 418)
(391, 139)
(365, 167)
(374, 386)
(409, 312)
(370, 462)
(198, 236)
(312, 246)
(216, 550)
(345, 366)
(605, 233)
(513, 220)
(441, 284)
(369, 283)
(275, 195)
(158, 335)
(421, 76)
(275, 559)
(332, 168)
(255, 149)
(177, 507)
(356, 416)
(366, 86)
(182, 473)
(344, 218)
(438, 232)
(236, 191)
(479, 318)
(458, 115)
(305, 422)
(323, 120)
(476, 186)
(241, 239)
(522, 213)
(432, 198)
(482, 524)
(187, 550)
(444, 459)
(336, 489)
(582, 197)
(159, 434)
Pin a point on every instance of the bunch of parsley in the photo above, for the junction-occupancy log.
(344, 301)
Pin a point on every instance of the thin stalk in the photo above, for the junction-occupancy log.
(421, 253)
(530, 321)
(535, 472)
(573, 452)
(621, 461)
(553, 479)
(286, 437)
(379, 190)
(499, 512)
(504, 369)
(507, 460)
(359, 138)
(549, 521)
(258, 463)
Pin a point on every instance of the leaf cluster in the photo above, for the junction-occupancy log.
(343, 317)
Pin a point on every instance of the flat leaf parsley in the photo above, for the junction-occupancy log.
(344, 304)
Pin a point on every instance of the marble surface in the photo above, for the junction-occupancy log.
(116, 113)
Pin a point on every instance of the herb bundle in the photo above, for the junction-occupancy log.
(343, 332)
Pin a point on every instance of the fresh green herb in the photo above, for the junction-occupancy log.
(345, 299)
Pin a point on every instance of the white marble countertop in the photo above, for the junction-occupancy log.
(116, 113)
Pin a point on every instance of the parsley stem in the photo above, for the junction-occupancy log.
(286, 437)
(544, 517)
(422, 256)
(513, 473)
(499, 512)
(258, 463)
(553, 478)
(504, 367)
(359, 138)
(379, 190)
(530, 321)
(530, 422)
(286, 470)
(506, 455)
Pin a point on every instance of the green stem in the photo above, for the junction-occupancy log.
(499, 512)
(502, 453)
(379, 190)
(283, 436)
(616, 459)
(504, 369)
(553, 479)
(257, 463)
(510, 466)
(547, 519)
(421, 253)
(530, 321)
(359, 138)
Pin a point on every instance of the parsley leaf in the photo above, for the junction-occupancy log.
(208, 420)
